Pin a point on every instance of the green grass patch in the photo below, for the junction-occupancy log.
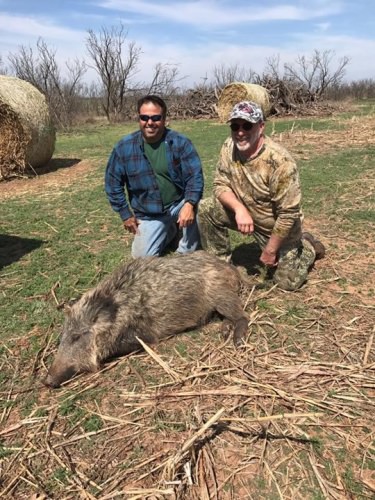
(328, 180)
(306, 353)
(78, 239)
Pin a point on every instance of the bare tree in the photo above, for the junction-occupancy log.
(42, 71)
(281, 90)
(223, 74)
(163, 80)
(116, 64)
(316, 73)
(3, 69)
(360, 89)
(272, 68)
(24, 65)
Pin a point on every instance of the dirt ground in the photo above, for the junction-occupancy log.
(56, 175)
(290, 417)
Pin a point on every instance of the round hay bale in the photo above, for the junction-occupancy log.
(27, 136)
(238, 91)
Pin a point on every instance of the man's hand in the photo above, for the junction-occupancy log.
(268, 258)
(269, 255)
(186, 216)
(245, 223)
(131, 225)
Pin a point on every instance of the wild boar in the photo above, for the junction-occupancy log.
(150, 298)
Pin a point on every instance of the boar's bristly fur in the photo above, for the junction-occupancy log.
(150, 298)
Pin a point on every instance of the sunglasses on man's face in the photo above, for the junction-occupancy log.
(235, 127)
(153, 118)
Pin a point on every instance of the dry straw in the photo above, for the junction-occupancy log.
(27, 137)
(238, 91)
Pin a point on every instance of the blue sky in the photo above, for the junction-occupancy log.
(198, 35)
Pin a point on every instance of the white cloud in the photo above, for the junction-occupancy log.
(323, 26)
(198, 62)
(357, 49)
(201, 53)
(205, 13)
(28, 26)
(17, 31)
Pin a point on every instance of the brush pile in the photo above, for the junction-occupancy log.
(27, 136)
(196, 103)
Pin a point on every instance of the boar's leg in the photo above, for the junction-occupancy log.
(230, 308)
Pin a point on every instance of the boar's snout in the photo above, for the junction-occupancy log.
(49, 382)
(54, 380)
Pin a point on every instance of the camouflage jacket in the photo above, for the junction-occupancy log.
(268, 185)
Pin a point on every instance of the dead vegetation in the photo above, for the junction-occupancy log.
(239, 91)
(358, 132)
(290, 416)
(275, 97)
(197, 103)
(27, 138)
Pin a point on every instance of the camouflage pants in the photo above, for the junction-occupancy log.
(294, 262)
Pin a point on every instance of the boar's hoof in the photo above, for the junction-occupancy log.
(240, 332)
(226, 328)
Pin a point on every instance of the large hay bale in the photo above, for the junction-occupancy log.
(238, 91)
(27, 136)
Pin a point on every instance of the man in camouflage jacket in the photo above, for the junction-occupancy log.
(257, 191)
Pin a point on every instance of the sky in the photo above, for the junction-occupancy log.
(200, 35)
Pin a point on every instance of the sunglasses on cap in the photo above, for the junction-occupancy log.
(235, 127)
(153, 118)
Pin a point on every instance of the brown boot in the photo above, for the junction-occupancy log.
(320, 249)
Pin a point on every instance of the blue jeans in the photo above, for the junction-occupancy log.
(154, 235)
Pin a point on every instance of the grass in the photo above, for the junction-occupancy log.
(339, 171)
(289, 416)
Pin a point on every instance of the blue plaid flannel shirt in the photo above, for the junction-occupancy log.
(129, 168)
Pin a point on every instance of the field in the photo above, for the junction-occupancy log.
(291, 416)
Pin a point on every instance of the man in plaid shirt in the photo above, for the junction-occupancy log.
(161, 172)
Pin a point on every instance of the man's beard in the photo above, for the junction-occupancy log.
(243, 146)
(249, 145)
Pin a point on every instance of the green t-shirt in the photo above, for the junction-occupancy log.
(157, 156)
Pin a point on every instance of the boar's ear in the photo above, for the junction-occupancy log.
(67, 306)
(67, 309)
(103, 307)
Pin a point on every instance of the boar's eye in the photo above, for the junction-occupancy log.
(75, 337)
